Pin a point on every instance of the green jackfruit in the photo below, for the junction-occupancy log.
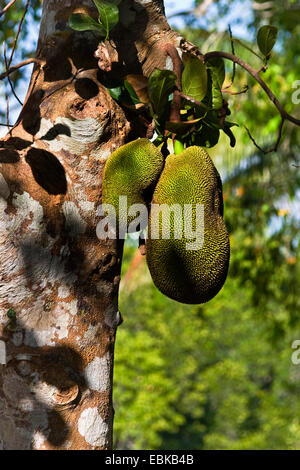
(132, 171)
(189, 276)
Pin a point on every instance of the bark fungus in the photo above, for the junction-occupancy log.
(57, 279)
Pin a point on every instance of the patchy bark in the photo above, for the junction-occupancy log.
(61, 281)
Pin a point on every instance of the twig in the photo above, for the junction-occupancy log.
(7, 111)
(234, 67)
(248, 48)
(192, 100)
(284, 114)
(225, 90)
(9, 80)
(7, 7)
(275, 146)
(18, 66)
(17, 35)
(255, 74)
(233, 52)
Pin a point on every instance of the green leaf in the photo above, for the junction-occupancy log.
(161, 84)
(108, 15)
(81, 22)
(194, 78)
(217, 73)
(181, 127)
(229, 132)
(266, 38)
(207, 137)
(178, 147)
(115, 93)
(132, 93)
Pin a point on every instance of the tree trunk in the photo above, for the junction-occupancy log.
(58, 281)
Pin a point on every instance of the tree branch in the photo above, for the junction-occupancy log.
(171, 50)
(18, 66)
(275, 146)
(7, 7)
(254, 73)
(9, 80)
(18, 34)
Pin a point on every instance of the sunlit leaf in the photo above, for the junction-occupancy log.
(80, 22)
(208, 137)
(139, 84)
(161, 84)
(266, 38)
(115, 93)
(132, 93)
(230, 134)
(217, 72)
(181, 127)
(108, 14)
(194, 78)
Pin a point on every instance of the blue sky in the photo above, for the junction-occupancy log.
(238, 17)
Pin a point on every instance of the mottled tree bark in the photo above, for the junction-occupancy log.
(55, 274)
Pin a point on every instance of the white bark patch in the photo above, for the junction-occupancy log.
(26, 404)
(71, 306)
(44, 331)
(92, 427)
(63, 292)
(75, 224)
(90, 334)
(27, 206)
(38, 440)
(87, 206)
(62, 326)
(37, 339)
(11, 263)
(4, 189)
(45, 393)
(2, 353)
(97, 373)
(101, 154)
(81, 132)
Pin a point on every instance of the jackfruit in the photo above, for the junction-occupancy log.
(190, 276)
(133, 171)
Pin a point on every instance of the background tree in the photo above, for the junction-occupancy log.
(230, 380)
(214, 376)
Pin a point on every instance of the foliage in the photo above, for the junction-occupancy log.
(202, 377)
(228, 362)
(218, 376)
(107, 20)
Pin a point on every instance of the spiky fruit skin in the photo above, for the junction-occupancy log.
(132, 171)
(190, 276)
